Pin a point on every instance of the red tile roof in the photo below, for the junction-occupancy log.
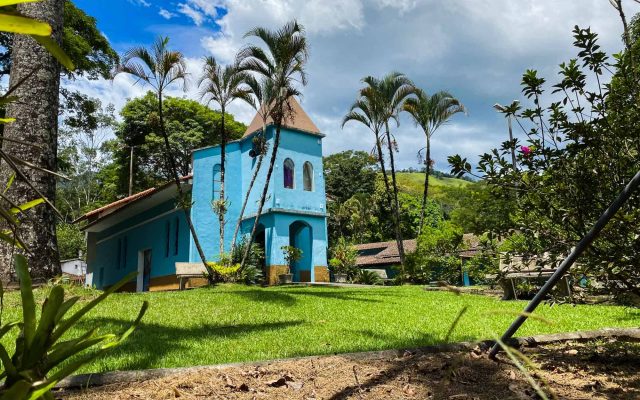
(118, 204)
(298, 120)
(388, 251)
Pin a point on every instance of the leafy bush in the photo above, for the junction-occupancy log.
(41, 359)
(343, 259)
(70, 240)
(228, 270)
(486, 262)
(291, 255)
(436, 256)
(367, 277)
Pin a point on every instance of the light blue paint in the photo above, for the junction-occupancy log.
(117, 248)
(114, 252)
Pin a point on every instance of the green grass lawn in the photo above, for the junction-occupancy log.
(232, 323)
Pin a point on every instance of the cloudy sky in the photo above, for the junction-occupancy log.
(476, 49)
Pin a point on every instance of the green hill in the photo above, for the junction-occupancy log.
(413, 183)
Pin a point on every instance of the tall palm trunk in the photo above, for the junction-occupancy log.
(396, 208)
(246, 200)
(174, 171)
(223, 208)
(36, 114)
(263, 197)
(389, 197)
(427, 172)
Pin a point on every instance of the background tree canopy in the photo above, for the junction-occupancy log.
(82, 41)
(190, 125)
(579, 154)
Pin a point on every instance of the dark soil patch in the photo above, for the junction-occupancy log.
(601, 369)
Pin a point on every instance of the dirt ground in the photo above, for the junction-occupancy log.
(605, 369)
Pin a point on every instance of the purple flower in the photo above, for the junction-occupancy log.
(525, 150)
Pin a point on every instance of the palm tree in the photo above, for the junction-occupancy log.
(222, 86)
(368, 110)
(390, 92)
(262, 92)
(430, 112)
(283, 64)
(159, 68)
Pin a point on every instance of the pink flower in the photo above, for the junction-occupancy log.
(525, 150)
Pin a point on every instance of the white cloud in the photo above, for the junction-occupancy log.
(166, 14)
(197, 16)
(142, 3)
(223, 48)
(477, 49)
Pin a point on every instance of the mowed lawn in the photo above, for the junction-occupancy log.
(231, 323)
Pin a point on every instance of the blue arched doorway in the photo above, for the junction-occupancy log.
(301, 236)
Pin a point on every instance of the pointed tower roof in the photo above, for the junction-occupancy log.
(299, 120)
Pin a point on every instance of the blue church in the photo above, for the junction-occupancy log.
(145, 232)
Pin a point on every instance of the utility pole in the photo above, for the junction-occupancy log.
(131, 171)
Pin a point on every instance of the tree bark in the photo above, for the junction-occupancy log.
(36, 114)
(396, 222)
(263, 197)
(396, 208)
(427, 172)
(174, 172)
(223, 208)
(246, 200)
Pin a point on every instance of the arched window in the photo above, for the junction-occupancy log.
(289, 174)
(216, 182)
(307, 176)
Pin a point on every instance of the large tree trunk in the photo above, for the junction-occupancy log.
(36, 114)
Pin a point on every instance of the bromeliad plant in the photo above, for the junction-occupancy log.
(44, 354)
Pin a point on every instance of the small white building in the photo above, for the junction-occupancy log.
(75, 267)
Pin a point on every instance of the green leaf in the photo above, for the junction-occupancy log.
(42, 390)
(4, 3)
(38, 349)
(28, 303)
(7, 364)
(55, 51)
(7, 237)
(69, 322)
(9, 182)
(4, 100)
(65, 307)
(75, 347)
(7, 120)
(26, 26)
(6, 328)
(26, 206)
(72, 367)
(19, 390)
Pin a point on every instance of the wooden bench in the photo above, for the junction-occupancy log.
(189, 270)
(519, 268)
(508, 282)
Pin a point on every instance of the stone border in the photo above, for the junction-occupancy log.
(107, 378)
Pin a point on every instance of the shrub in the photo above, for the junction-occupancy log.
(343, 259)
(436, 256)
(41, 359)
(367, 277)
